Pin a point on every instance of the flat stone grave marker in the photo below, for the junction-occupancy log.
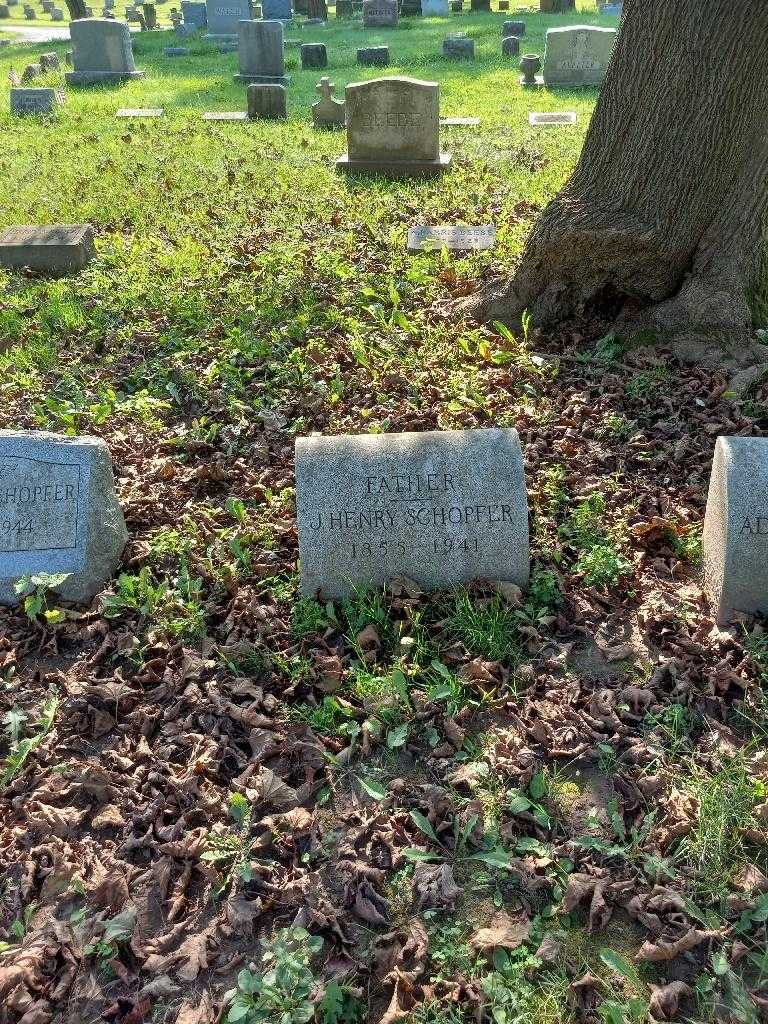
(380, 13)
(26, 102)
(58, 513)
(459, 122)
(577, 56)
(393, 127)
(554, 118)
(441, 508)
(176, 51)
(225, 115)
(735, 541)
(140, 112)
(56, 248)
(455, 237)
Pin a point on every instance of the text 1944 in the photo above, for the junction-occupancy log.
(439, 546)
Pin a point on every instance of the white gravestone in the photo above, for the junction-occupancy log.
(441, 508)
(735, 543)
(577, 55)
(58, 513)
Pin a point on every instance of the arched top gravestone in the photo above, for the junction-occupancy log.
(393, 127)
(101, 52)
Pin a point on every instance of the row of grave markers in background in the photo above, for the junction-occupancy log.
(102, 53)
(442, 508)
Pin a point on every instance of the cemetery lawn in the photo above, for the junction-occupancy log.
(547, 807)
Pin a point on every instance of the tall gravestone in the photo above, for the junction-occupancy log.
(58, 513)
(735, 542)
(101, 52)
(260, 52)
(577, 55)
(393, 127)
(441, 508)
(223, 17)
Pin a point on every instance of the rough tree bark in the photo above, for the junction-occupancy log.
(664, 219)
(76, 9)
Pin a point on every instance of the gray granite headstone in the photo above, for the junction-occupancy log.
(224, 15)
(276, 10)
(55, 248)
(513, 28)
(34, 101)
(4, 11)
(373, 56)
(393, 127)
(434, 8)
(58, 513)
(101, 52)
(735, 542)
(30, 73)
(441, 508)
(577, 55)
(194, 13)
(314, 55)
(455, 237)
(459, 47)
(50, 62)
(380, 13)
(328, 112)
(260, 51)
(267, 102)
(510, 46)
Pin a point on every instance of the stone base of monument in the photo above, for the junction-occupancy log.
(395, 168)
(537, 83)
(101, 77)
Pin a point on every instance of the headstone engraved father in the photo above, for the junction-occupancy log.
(735, 543)
(58, 513)
(441, 508)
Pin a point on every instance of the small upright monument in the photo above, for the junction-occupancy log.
(328, 112)
(101, 52)
(393, 128)
(577, 56)
(260, 53)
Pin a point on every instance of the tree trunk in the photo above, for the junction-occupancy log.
(76, 9)
(664, 219)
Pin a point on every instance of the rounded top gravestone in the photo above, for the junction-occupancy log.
(58, 513)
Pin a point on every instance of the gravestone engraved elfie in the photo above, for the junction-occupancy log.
(440, 507)
(735, 541)
(58, 512)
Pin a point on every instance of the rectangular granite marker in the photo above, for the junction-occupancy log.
(440, 507)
